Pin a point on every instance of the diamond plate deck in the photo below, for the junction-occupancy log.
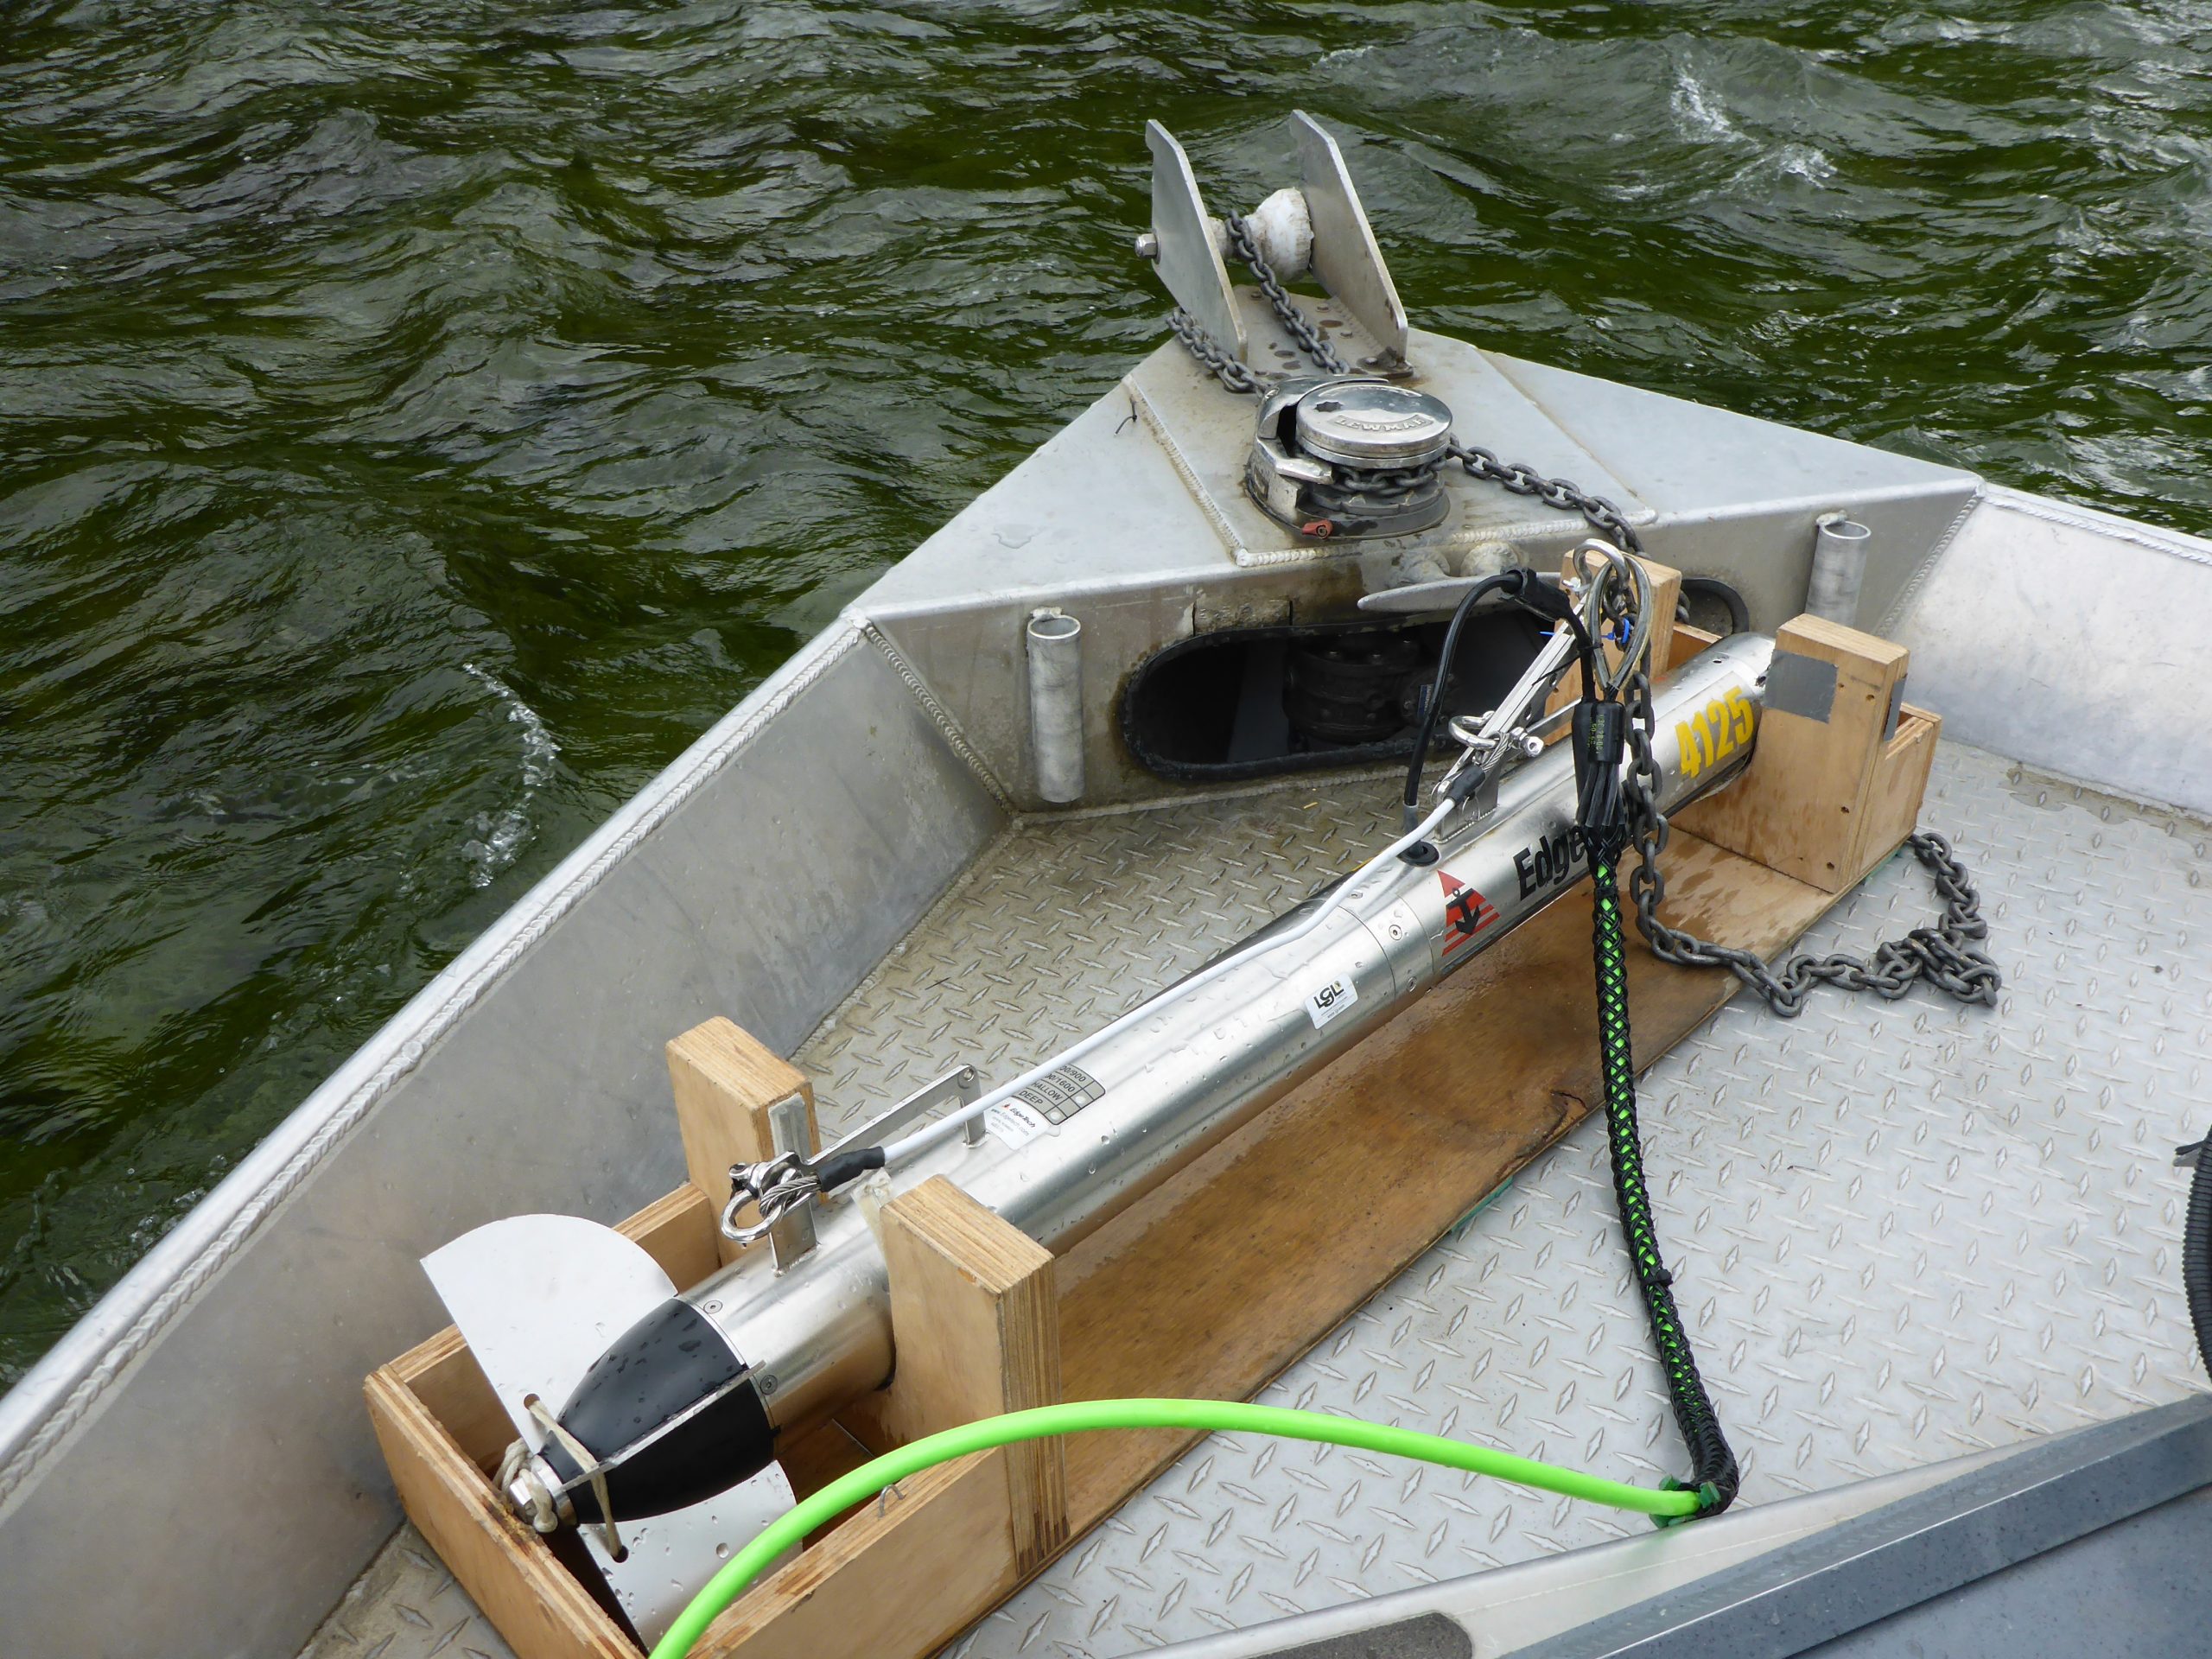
(1901, 1231)
(406, 1606)
(1065, 923)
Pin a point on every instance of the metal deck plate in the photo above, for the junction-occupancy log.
(1901, 1231)
(406, 1606)
(1064, 922)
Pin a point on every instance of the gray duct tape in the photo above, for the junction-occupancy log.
(1800, 685)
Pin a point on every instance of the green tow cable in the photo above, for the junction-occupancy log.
(1078, 1416)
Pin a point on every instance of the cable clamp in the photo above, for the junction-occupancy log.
(785, 1182)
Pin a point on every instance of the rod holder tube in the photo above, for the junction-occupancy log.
(1055, 641)
(1840, 547)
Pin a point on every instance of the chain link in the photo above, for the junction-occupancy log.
(1217, 360)
(1310, 339)
(1943, 955)
(1373, 489)
(1558, 493)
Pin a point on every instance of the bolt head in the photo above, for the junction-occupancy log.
(1147, 246)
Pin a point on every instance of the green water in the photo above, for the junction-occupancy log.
(417, 422)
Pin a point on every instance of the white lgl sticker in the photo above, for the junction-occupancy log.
(1331, 1000)
(1015, 1123)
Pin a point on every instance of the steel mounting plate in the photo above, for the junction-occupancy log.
(1346, 257)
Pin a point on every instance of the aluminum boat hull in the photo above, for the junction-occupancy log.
(203, 1423)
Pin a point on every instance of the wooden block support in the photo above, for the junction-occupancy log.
(1900, 784)
(975, 1312)
(726, 1083)
(1689, 641)
(1830, 792)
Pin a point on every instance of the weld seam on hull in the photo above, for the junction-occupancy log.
(1894, 617)
(1463, 540)
(2176, 543)
(940, 716)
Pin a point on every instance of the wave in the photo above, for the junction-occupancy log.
(500, 836)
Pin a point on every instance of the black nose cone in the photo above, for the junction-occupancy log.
(670, 1411)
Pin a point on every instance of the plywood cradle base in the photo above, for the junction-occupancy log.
(1207, 1286)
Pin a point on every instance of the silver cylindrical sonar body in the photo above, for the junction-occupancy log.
(1074, 1150)
(1055, 643)
(1839, 546)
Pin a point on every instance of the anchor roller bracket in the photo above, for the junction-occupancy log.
(1326, 230)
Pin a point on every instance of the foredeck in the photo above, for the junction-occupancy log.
(1902, 1231)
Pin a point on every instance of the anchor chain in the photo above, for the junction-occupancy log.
(1373, 488)
(1943, 954)
(1559, 493)
(1294, 322)
(1230, 370)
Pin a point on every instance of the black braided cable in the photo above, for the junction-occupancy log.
(1712, 1466)
(2197, 1252)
